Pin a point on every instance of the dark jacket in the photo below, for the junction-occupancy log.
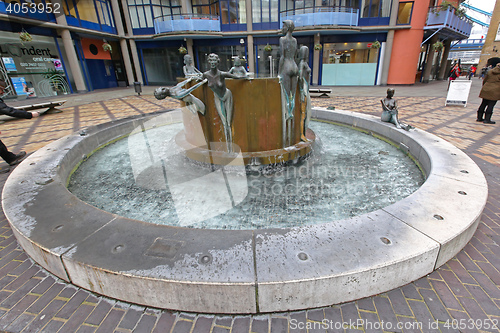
(491, 85)
(7, 110)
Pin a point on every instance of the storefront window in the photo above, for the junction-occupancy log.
(267, 61)
(162, 66)
(265, 11)
(404, 12)
(349, 64)
(34, 69)
(226, 54)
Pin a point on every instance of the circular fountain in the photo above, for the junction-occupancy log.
(250, 270)
(243, 271)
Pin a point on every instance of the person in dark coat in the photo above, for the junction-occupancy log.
(9, 157)
(490, 93)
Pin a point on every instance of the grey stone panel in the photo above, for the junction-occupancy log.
(339, 261)
(176, 268)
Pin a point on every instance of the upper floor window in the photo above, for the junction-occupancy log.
(143, 12)
(206, 7)
(264, 11)
(97, 12)
(375, 8)
(404, 12)
(340, 3)
(233, 11)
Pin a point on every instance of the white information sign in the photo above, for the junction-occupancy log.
(458, 92)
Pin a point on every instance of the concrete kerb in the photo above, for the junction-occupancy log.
(266, 270)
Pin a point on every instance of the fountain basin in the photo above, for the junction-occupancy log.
(244, 271)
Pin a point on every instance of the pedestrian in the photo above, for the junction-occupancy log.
(9, 157)
(455, 72)
(472, 71)
(490, 93)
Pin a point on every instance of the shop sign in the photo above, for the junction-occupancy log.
(9, 63)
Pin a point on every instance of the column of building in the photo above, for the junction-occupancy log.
(123, 41)
(250, 46)
(133, 47)
(386, 62)
(69, 48)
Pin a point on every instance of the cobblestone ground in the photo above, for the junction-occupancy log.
(461, 296)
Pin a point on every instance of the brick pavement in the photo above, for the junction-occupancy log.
(465, 290)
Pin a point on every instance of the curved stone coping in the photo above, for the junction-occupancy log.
(248, 271)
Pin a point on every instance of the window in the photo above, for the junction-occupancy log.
(404, 12)
(497, 38)
(233, 11)
(206, 7)
(265, 11)
(375, 8)
(143, 12)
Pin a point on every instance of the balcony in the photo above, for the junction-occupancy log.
(321, 16)
(449, 22)
(186, 22)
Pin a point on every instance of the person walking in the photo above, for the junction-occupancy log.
(9, 157)
(490, 93)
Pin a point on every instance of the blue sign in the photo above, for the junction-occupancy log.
(9, 64)
(19, 84)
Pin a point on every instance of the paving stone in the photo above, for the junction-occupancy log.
(130, 319)
(460, 272)
(491, 271)
(17, 295)
(385, 311)
(411, 292)
(45, 316)
(111, 321)
(20, 323)
(475, 312)
(371, 322)
(488, 286)
(296, 318)
(333, 315)
(68, 291)
(52, 326)
(100, 311)
(204, 325)
(77, 318)
(484, 300)
(454, 284)
(182, 326)
(46, 298)
(446, 296)
(86, 329)
(260, 325)
(315, 315)
(72, 305)
(457, 317)
(367, 304)
(434, 304)
(145, 324)
(16, 311)
(223, 321)
(399, 303)
(43, 286)
(166, 322)
(279, 325)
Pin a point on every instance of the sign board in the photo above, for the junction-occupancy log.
(458, 92)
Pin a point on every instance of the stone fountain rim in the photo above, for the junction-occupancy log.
(194, 269)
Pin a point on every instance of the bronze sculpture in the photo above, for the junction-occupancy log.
(288, 75)
(193, 104)
(305, 98)
(222, 96)
(189, 69)
(238, 69)
(390, 111)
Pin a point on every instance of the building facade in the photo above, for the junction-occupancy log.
(491, 48)
(65, 46)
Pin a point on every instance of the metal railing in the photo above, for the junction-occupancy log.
(449, 19)
(186, 22)
(313, 16)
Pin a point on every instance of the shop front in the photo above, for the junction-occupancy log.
(32, 68)
(349, 64)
